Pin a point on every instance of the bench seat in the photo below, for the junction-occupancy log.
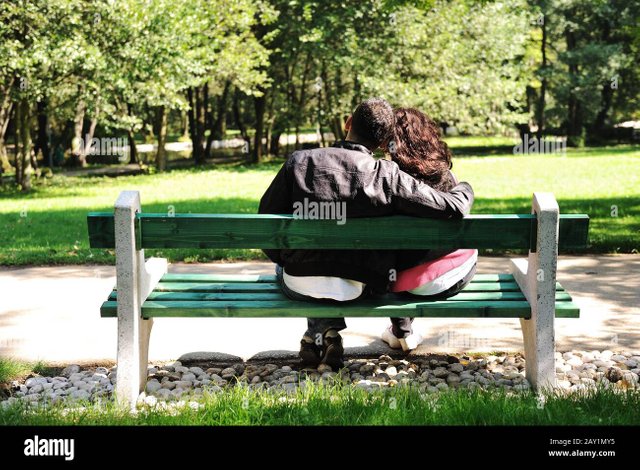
(236, 295)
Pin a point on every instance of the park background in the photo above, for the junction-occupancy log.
(197, 103)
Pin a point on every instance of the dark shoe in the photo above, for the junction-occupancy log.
(332, 350)
(310, 353)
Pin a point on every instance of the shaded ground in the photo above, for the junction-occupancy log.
(52, 313)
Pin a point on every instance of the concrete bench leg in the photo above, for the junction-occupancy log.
(135, 280)
(537, 280)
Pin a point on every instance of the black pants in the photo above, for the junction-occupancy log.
(401, 327)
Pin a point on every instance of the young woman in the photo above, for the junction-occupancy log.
(418, 150)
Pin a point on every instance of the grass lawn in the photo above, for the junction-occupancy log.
(48, 226)
(346, 405)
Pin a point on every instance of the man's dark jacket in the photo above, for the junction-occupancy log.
(348, 172)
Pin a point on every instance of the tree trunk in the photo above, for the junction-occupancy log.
(161, 154)
(259, 105)
(184, 122)
(191, 115)
(205, 119)
(23, 146)
(220, 124)
(77, 143)
(574, 108)
(237, 115)
(133, 150)
(5, 113)
(196, 124)
(543, 85)
(302, 98)
(42, 139)
(92, 130)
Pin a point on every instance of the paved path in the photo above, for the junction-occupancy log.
(51, 313)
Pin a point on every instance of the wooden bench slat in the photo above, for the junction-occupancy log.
(196, 296)
(289, 308)
(179, 277)
(284, 231)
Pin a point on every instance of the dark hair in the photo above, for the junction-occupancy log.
(372, 122)
(419, 150)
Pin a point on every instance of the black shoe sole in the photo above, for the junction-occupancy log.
(333, 356)
(309, 355)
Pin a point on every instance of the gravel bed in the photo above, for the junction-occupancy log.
(575, 370)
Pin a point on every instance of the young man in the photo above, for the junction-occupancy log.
(347, 173)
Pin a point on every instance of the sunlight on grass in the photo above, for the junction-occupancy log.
(48, 226)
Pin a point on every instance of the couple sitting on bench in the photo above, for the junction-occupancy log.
(416, 181)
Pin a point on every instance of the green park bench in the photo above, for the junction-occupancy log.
(144, 290)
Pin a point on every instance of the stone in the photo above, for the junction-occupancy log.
(150, 400)
(168, 385)
(453, 379)
(71, 369)
(322, 368)
(80, 395)
(153, 386)
(618, 358)
(456, 368)
(575, 361)
(365, 384)
(33, 381)
(442, 386)
(606, 355)
(256, 379)
(183, 384)
(188, 377)
(511, 375)
(614, 375)
(76, 377)
(483, 380)
(163, 394)
(181, 369)
(587, 357)
(214, 370)
(391, 371)
(228, 372)
(196, 371)
(37, 388)
(440, 372)
(290, 387)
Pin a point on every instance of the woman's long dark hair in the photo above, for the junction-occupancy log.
(419, 150)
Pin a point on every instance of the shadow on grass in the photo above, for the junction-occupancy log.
(60, 236)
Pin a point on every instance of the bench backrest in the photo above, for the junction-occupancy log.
(502, 231)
